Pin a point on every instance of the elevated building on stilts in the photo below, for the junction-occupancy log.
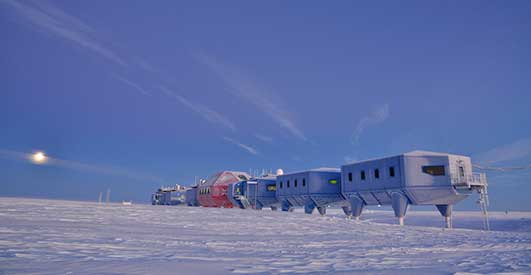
(414, 178)
(311, 189)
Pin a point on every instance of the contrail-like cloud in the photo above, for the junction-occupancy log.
(378, 115)
(207, 113)
(46, 17)
(244, 87)
(264, 138)
(131, 84)
(518, 149)
(74, 165)
(247, 148)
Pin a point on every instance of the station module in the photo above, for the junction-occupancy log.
(413, 178)
(213, 192)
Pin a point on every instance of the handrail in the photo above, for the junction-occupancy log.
(470, 179)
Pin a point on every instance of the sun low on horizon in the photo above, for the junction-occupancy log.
(39, 157)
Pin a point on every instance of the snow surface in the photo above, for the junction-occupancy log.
(66, 237)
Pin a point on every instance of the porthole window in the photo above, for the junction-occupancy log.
(392, 171)
(303, 182)
(349, 176)
(377, 173)
(362, 175)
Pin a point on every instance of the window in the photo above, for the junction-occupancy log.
(303, 182)
(349, 176)
(295, 184)
(271, 187)
(242, 177)
(332, 181)
(434, 170)
(377, 173)
(287, 184)
(392, 171)
(280, 184)
(461, 171)
(362, 175)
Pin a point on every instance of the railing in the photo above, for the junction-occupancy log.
(475, 179)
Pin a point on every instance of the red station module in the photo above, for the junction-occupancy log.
(213, 193)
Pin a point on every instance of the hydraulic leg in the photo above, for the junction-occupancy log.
(322, 210)
(347, 211)
(356, 205)
(286, 206)
(400, 205)
(446, 212)
(309, 207)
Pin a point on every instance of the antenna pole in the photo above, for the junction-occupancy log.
(108, 197)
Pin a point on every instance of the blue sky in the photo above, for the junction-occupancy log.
(131, 95)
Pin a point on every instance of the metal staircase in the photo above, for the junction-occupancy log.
(478, 182)
(483, 204)
(243, 200)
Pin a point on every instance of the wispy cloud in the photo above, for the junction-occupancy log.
(207, 113)
(131, 84)
(244, 87)
(247, 148)
(378, 115)
(516, 150)
(83, 167)
(350, 159)
(52, 20)
(264, 138)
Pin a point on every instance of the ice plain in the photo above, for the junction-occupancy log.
(68, 237)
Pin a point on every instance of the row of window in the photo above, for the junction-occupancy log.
(434, 170)
(363, 175)
(295, 183)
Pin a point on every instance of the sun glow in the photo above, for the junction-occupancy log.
(39, 157)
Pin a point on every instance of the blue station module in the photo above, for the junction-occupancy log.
(414, 178)
(316, 188)
(173, 195)
(256, 193)
(190, 197)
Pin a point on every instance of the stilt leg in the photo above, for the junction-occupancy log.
(448, 221)
(286, 206)
(309, 207)
(347, 211)
(400, 205)
(356, 205)
(322, 210)
(446, 212)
